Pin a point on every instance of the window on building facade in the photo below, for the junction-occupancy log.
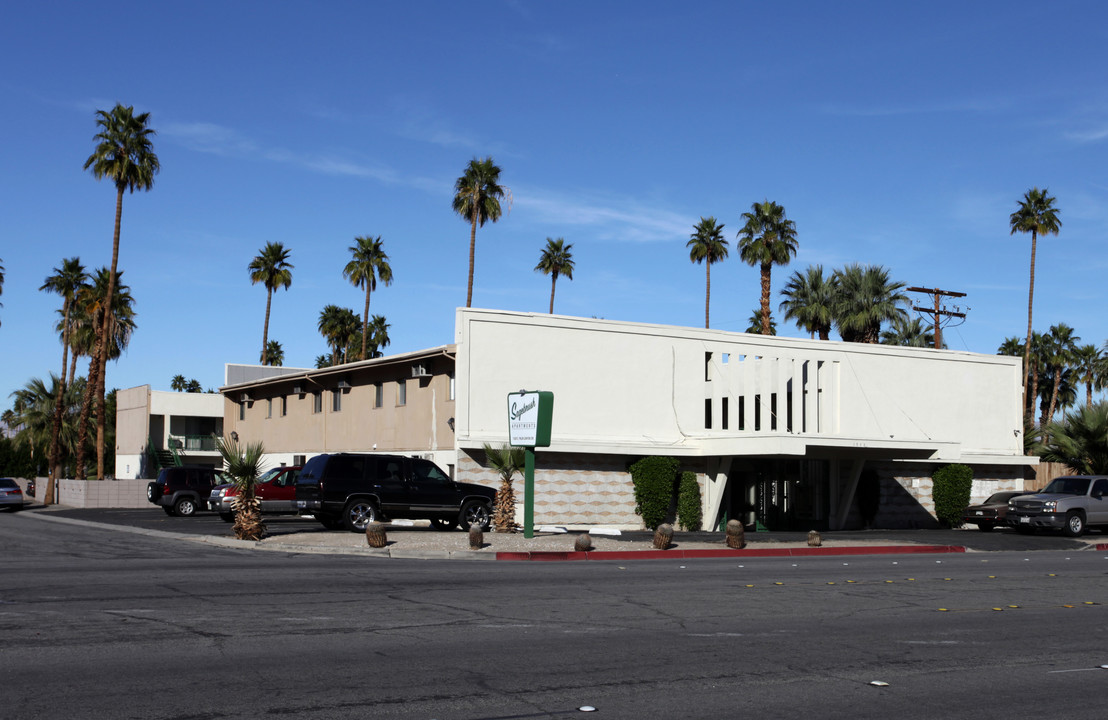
(336, 400)
(268, 408)
(451, 376)
(317, 401)
(284, 405)
(242, 411)
(402, 392)
(378, 395)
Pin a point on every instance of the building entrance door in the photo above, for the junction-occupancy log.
(780, 494)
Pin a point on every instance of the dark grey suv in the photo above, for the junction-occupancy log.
(183, 490)
(351, 490)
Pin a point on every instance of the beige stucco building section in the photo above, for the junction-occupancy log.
(401, 403)
(163, 419)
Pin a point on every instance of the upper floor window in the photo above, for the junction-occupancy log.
(378, 395)
(402, 392)
(317, 401)
(336, 400)
(451, 376)
(268, 408)
(284, 405)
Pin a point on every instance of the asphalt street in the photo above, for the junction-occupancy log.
(99, 623)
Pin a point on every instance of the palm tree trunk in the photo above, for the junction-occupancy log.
(553, 282)
(1030, 303)
(1054, 393)
(365, 321)
(265, 328)
(765, 298)
(56, 428)
(707, 290)
(104, 326)
(472, 247)
(86, 408)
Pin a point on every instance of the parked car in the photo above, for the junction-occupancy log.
(30, 491)
(351, 490)
(992, 512)
(183, 490)
(1070, 504)
(11, 495)
(276, 489)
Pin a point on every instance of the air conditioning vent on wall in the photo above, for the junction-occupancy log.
(245, 397)
(418, 371)
(298, 389)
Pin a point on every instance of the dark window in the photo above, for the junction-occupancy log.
(346, 467)
(427, 473)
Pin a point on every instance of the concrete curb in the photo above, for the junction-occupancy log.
(678, 554)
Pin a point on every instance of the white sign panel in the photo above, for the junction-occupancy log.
(523, 418)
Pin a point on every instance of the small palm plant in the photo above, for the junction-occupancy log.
(244, 463)
(507, 461)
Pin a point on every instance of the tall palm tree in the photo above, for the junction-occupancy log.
(178, 383)
(368, 264)
(274, 354)
(477, 196)
(1037, 215)
(271, 268)
(866, 298)
(379, 334)
(707, 245)
(908, 333)
(125, 155)
(66, 281)
(1060, 346)
(768, 238)
(1, 281)
(103, 325)
(809, 300)
(1089, 364)
(556, 259)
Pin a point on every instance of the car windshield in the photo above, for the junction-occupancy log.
(1067, 486)
(1001, 498)
(270, 474)
(8, 483)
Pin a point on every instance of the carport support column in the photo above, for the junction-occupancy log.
(717, 489)
(846, 499)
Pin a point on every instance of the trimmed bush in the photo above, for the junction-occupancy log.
(653, 478)
(950, 490)
(689, 512)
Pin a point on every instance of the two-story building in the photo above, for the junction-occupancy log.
(155, 428)
(782, 432)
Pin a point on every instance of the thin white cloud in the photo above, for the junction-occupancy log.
(618, 219)
(953, 106)
(1088, 136)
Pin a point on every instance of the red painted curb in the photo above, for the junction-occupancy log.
(679, 554)
(1102, 546)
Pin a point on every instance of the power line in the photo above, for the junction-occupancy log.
(938, 310)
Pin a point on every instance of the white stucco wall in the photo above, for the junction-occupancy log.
(632, 388)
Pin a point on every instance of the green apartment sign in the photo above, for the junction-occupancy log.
(529, 414)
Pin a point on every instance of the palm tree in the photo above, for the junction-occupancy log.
(865, 299)
(755, 326)
(768, 238)
(477, 196)
(556, 259)
(244, 463)
(337, 325)
(506, 461)
(66, 281)
(1, 282)
(707, 245)
(1080, 441)
(322, 361)
(93, 304)
(125, 155)
(178, 383)
(369, 264)
(908, 333)
(1037, 215)
(379, 334)
(809, 300)
(1089, 364)
(274, 354)
(271, 268)
(33, 413)
(1060, 346)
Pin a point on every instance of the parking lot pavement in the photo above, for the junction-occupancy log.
(293, 533)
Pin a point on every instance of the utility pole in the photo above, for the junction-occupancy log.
(938, 311)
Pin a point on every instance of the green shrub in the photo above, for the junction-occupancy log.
(689, 512)
(653, 478)
(950, 489)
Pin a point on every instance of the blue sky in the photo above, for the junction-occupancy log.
(896, 134)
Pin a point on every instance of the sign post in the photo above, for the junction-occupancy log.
(529, 414)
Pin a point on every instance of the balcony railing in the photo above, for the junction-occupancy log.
(192, 443)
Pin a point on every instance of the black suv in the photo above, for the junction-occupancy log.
(183, 490)
(351, 490)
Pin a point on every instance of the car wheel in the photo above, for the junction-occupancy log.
(1075, 524)
(443, 524)
(227, 517)
(168, 510)
(150, 493)
(330, 523)
(476, 513)
(985, 527)
(358, 514)
(185, 507)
